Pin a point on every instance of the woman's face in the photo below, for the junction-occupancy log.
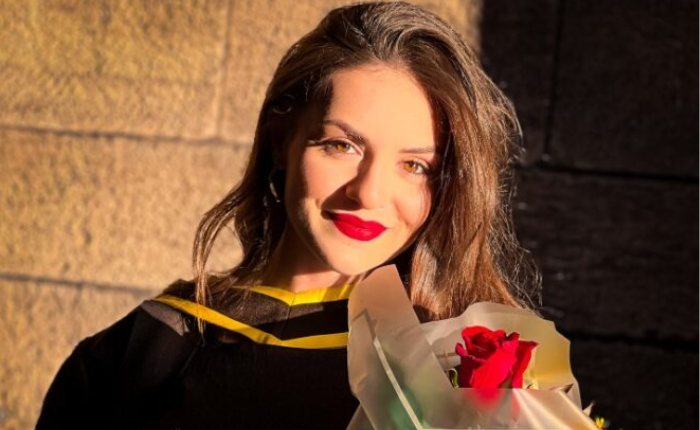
(357, 178)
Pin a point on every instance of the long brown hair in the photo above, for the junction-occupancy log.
(466, 251)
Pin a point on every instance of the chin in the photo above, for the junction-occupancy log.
(349, 264)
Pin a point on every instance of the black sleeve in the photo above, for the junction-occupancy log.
(84, 389)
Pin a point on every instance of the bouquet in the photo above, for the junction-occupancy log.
(399, 369)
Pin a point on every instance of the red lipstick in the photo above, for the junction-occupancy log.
(357, 228)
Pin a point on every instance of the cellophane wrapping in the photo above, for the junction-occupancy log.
(397, 367)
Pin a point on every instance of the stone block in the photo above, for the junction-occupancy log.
(142, 67)
(40, 324)
(638, 386)
(627, 88)
(518, 44)
(109, 210)
(260, 34)
(619, 256)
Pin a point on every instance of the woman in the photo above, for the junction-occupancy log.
(380, 141)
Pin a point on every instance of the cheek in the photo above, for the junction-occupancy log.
(414, 207)
(320, 178)
(304, 177)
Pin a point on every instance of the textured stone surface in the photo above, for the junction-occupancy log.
(619, 256)
(115, 211)
(40, 324)
(638, 386)
(261, 32)
(140, 67)
(627, 93)
(518, 44)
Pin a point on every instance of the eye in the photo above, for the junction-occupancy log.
(337, 146)
(416, 167)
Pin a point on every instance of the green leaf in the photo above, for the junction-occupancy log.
(454, 377)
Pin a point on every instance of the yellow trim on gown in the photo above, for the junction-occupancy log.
(317, 296)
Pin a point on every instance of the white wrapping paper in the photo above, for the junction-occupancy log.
(396, 367)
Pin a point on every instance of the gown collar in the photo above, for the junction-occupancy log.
(314, 319)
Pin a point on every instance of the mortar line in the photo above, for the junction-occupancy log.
(604, 173)
(224, 69)
(668, 344)
(553, 93)
(68, 283)
(124, 135)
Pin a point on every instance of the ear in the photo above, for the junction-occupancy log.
(279, 157)
(278, 136)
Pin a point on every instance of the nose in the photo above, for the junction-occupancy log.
(371, 187)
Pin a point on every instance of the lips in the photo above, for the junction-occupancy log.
(357, 228)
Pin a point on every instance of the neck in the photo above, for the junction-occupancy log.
(299, 271)
(305, 282)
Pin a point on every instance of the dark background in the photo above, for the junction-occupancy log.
(607, 197)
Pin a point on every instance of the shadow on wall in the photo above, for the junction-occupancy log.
(607, 200)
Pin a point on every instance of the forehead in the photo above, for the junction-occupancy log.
(384, 103)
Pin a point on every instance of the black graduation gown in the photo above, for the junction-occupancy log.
(154, 370)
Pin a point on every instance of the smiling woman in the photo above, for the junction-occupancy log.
(358, 185)
(380, 141)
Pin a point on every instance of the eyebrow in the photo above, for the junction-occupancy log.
(359, 138)
(354, 135)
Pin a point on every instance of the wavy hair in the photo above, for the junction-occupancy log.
(467, 251)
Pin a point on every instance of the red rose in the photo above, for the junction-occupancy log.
(490, 359)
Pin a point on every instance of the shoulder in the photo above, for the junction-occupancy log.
(137, 340)
(112, 372)
(148, 319)
(152, 338)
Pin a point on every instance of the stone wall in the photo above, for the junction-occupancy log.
(121, 123)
